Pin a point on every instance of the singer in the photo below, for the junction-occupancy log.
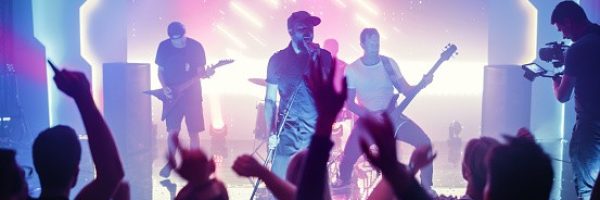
(296, 116)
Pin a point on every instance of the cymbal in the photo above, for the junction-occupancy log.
(258, 81)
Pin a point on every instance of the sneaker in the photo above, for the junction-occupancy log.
(165, 172)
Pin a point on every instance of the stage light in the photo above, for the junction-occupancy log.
(340, 3)
(258, 40)
(367, 6)
(246, 14)
(274, 3)
(231, 36)
(217, 132)
(363, 21)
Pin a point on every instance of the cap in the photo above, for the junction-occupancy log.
(302, 16)
(175, 30)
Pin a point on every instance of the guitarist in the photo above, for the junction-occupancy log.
(180, 59)
(372, 80)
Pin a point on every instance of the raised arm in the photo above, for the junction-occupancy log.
(328, 103)
(123, 192)
(382, 191)
(401, 181)
(109, 170)
(247, 166)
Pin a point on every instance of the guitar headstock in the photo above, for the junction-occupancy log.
(448, 52)
(224, 61)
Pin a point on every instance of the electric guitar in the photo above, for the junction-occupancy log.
(395, 112)
(177, 91)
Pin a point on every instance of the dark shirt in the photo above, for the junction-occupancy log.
(287, 69)
(180, 64)
(583, 62)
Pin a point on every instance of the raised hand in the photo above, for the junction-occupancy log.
(246, 165)
(73, 83)
(382, 132)
(421, 157)
(327, 100)
(101, 143)
(195, 165)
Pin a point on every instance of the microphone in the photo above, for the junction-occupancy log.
(313, 49)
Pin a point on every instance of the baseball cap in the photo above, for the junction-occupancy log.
(175, 30)
(302, 16)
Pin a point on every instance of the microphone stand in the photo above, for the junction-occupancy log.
(314, 57)
(269, 158)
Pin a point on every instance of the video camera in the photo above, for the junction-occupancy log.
(554, 53)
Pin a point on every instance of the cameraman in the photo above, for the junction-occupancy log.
(582, 74)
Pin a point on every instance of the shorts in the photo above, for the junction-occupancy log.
(190, 107)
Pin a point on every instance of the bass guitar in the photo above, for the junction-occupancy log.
(395, 111)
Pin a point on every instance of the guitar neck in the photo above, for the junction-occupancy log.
(183, 86)
(408, 98)
(435, 67)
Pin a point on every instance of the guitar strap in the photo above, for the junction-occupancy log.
(387, 65)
